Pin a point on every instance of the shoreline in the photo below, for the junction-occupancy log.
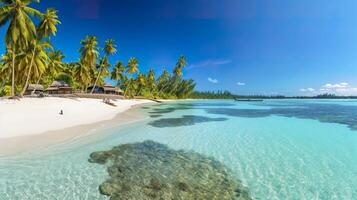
(21, 143)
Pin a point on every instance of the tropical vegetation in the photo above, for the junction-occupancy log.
(30, 58)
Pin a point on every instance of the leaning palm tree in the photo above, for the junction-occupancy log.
(46, 28)
(163, 81)
(56, 61)
(55, 65)
(104, 72)
(88, 61)
(118, 73)
(181, 63)
(38, 61)
(175, 80)
(21, 28)
(132, 68)
(109, 49)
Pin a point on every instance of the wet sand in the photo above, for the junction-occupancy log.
(15, 145)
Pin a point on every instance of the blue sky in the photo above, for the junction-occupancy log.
(290, 47)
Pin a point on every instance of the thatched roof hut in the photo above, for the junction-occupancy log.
(59, 87)
(106, 89)
(109, 89)
(34, 88)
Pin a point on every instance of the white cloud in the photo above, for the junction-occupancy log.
(307, 90)
(342, 88)
(210, 63)
(212, 80)
(240, 84)
(336, 86)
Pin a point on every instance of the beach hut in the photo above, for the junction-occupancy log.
(97, 90)
(34, 89)
(106, 89)
(109, 89)
(58, 88)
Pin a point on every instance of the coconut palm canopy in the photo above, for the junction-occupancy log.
(30, 58)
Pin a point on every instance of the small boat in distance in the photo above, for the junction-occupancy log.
(238, 99)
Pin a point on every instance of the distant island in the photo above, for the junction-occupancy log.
(229, 95)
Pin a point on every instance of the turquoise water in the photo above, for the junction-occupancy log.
(279, 149)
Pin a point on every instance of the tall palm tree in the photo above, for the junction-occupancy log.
(38, 61)
(181, 63)
(175, 81)
(118, 72)
(46, 28)
(87, 64)
(109, 49)
(132, 68)
(21, 28)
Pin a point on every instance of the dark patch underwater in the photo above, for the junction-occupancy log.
(186, 120)
(327, 113)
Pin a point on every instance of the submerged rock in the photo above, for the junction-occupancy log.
(150, 170)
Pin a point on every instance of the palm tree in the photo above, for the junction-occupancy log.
(46, 28)
(48, 25)
(175, 81)
(141, 82)
(89, 55)
(21, 28)
(185, 88)
(181, 63)
(54, 67)
(109, 49)
(151, 80)
(103, 72)
(37, 62)
(5, 66)
(56, 61)
(36, 59)
(163, 81)
(118, 72)
(82, 75)
(132, 68)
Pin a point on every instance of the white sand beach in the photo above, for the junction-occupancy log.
(32, 116)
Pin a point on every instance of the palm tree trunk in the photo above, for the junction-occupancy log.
(126, 89)
(95, 83)
(28, 73)
(13, 73)
(38, 81)
(165, 86)
(139, 91)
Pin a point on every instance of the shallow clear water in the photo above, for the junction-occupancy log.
(280, 149)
